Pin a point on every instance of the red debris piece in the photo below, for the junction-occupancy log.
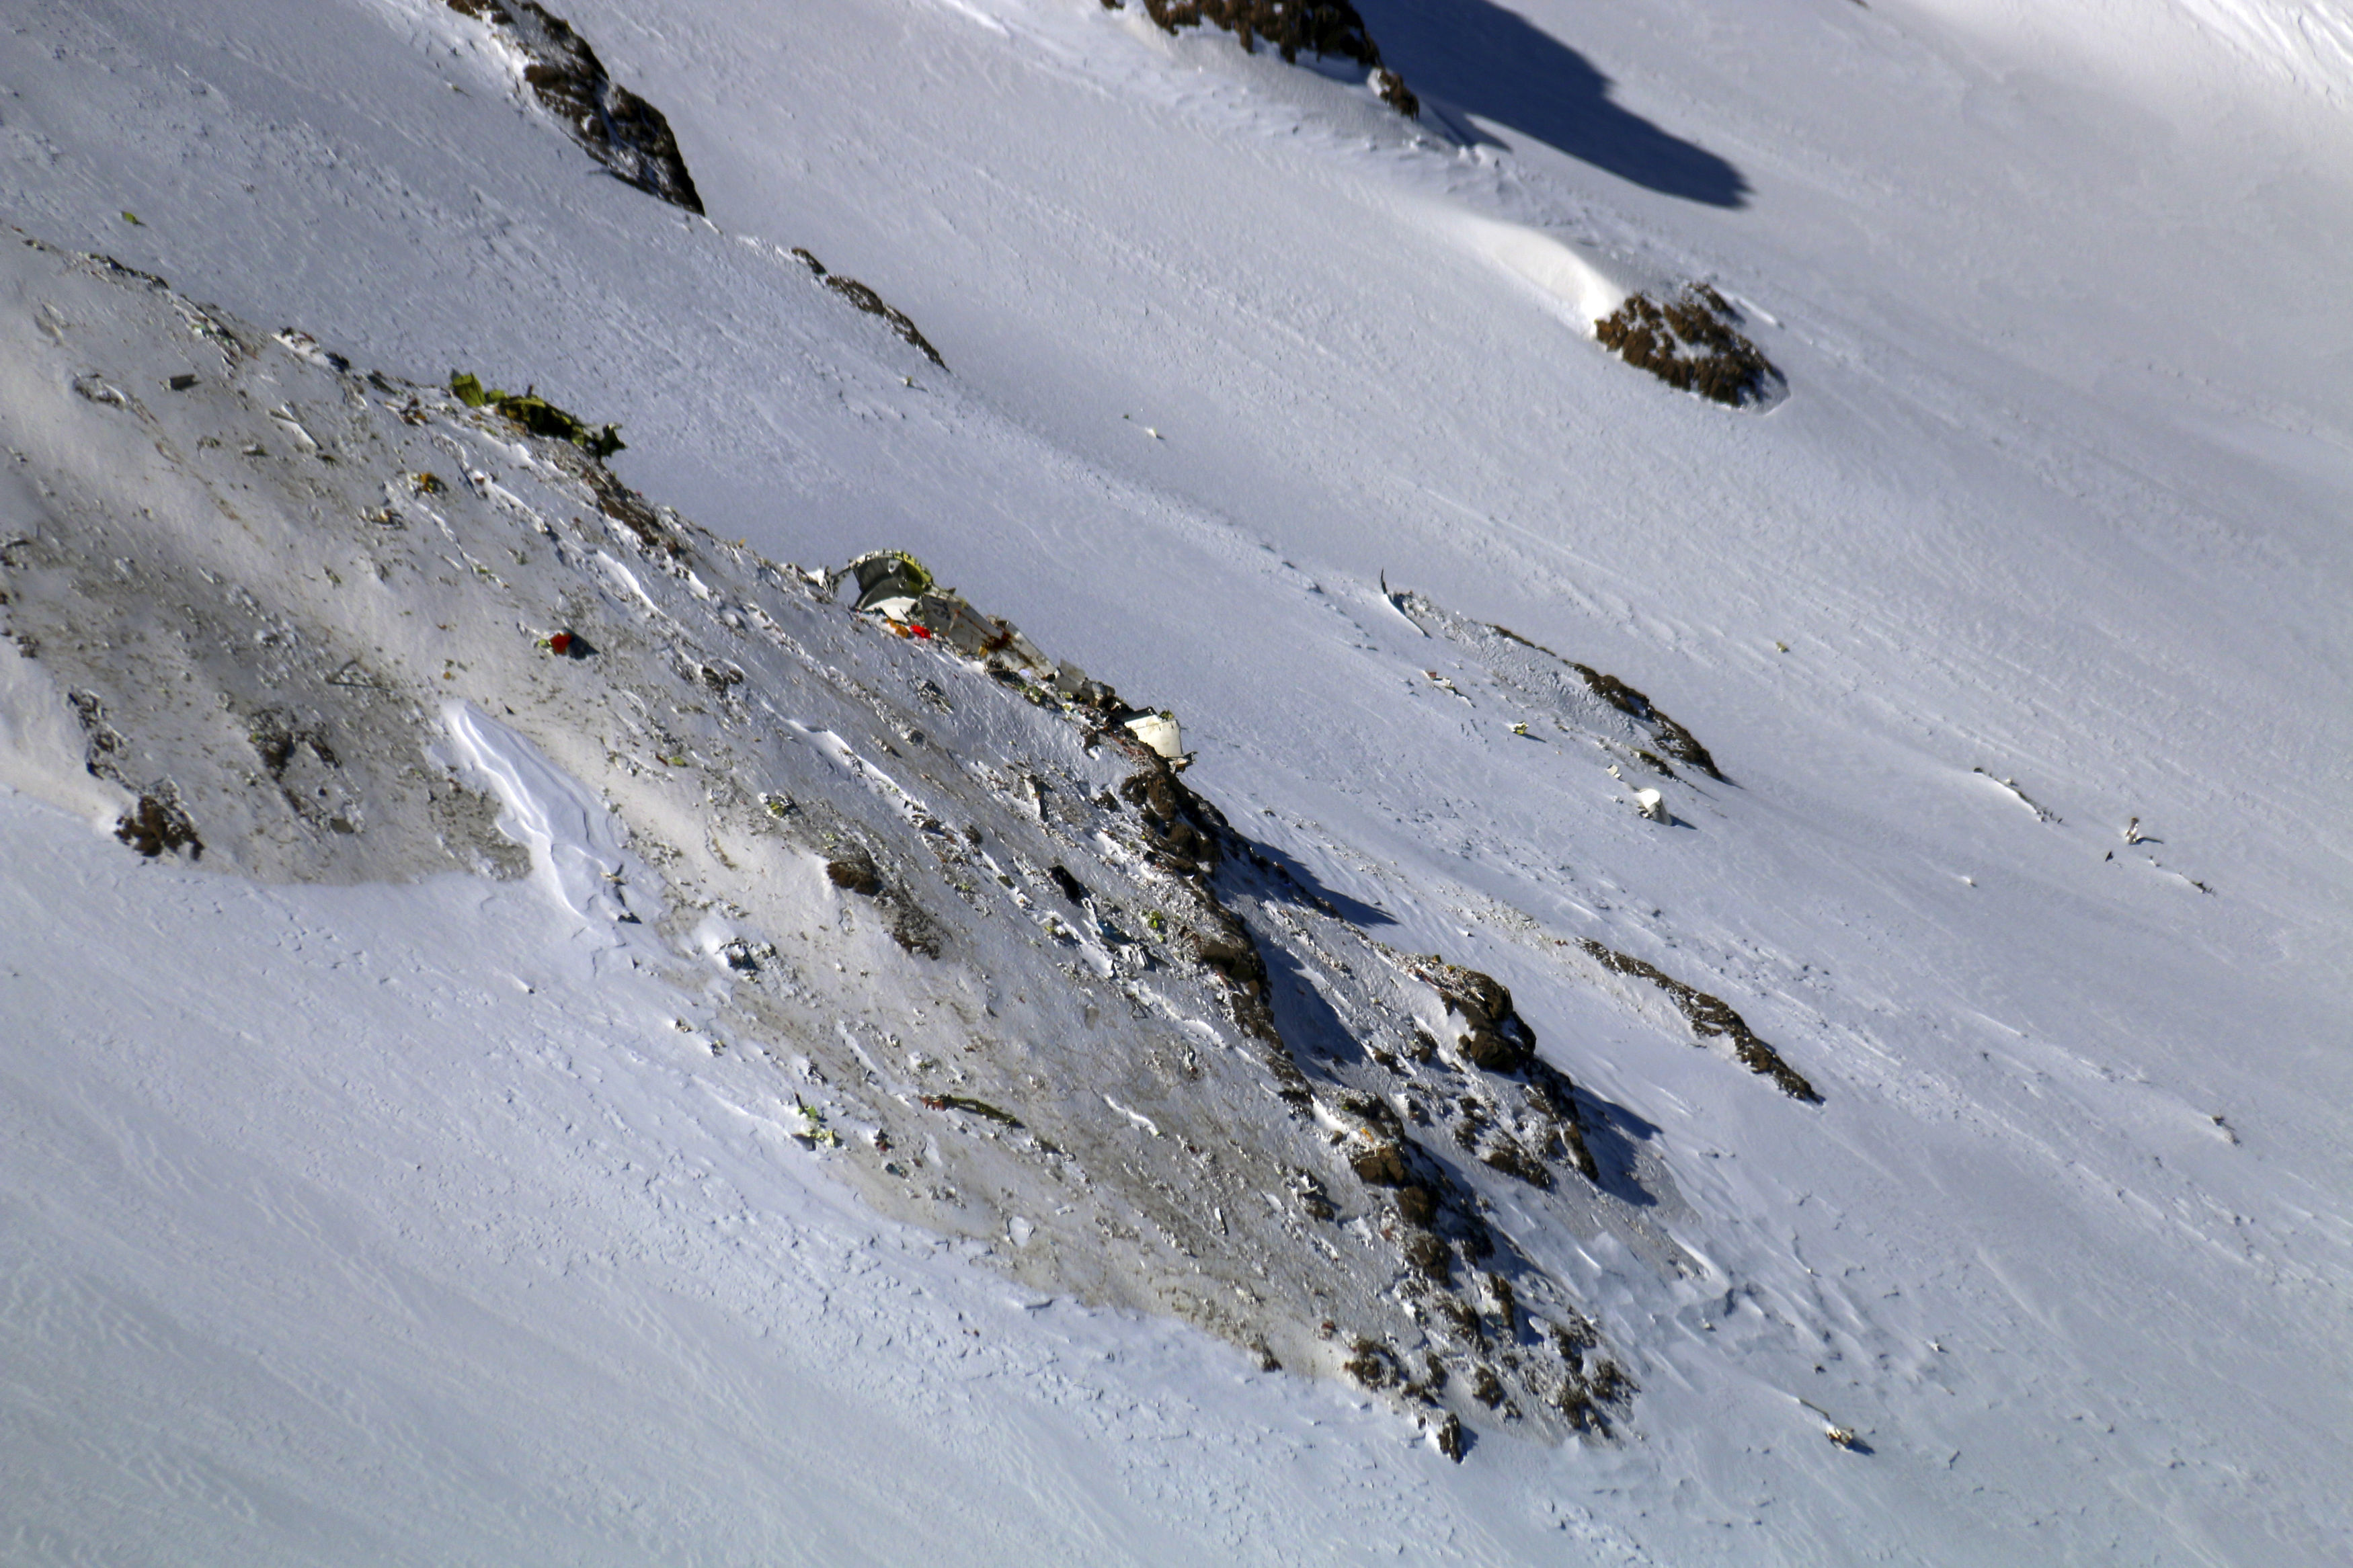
(559, 644)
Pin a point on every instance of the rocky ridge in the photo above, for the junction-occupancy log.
(960, 936)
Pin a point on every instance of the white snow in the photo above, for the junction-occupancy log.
(385, 1224)
(1584, 294)
(575, 845)
(390, 1230)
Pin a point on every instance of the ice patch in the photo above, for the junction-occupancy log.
(1137, 1117)
(575, 845)
(41, 751)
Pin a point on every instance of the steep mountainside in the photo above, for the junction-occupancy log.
(1755, 953)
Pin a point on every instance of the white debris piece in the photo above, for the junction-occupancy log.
(1159, 732)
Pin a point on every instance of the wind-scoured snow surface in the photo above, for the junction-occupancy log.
(361, 1197)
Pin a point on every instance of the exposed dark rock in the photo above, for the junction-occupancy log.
(1673, 739)
(102, 743)
(303, 763)
(159, 823)
(1314, 1201)
(1176, 1199)
(277, 736)
(1369, 1363)
(853, 871)
(1429, 1255)
(1182, 830)
(1494, 1038)
(1396, 94)
(1502, 1304)
(621, 130)
(873, 304)
(1233, 957)
(1379, 1165)
(1066, 884)
(1689, 343)
(1319, 26)
(1503, 1153)
(628, 508)
(972, 1107)
(1574, 1338)
(1710, 1017)
(910, 927)
(1417, 1206)
(1184, 835)
(1551, 1093)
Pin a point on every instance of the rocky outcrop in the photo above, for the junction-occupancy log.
(621, 130)
(1516, 1135)
(1689, 342)
(873, 304)
(1711, 1018)
(1319, 26)
(1550, 686)
(1002, 961)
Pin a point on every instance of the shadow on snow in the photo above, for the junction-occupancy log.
(1477, 55)
(1313, 1031)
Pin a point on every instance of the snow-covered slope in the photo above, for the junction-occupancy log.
(2042, 540)
(975, 934)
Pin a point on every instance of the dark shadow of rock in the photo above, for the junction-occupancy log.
(1611, 1132)
(1480, 56)
(1314, 1033)
(1292, 882)
(1310, 1027)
